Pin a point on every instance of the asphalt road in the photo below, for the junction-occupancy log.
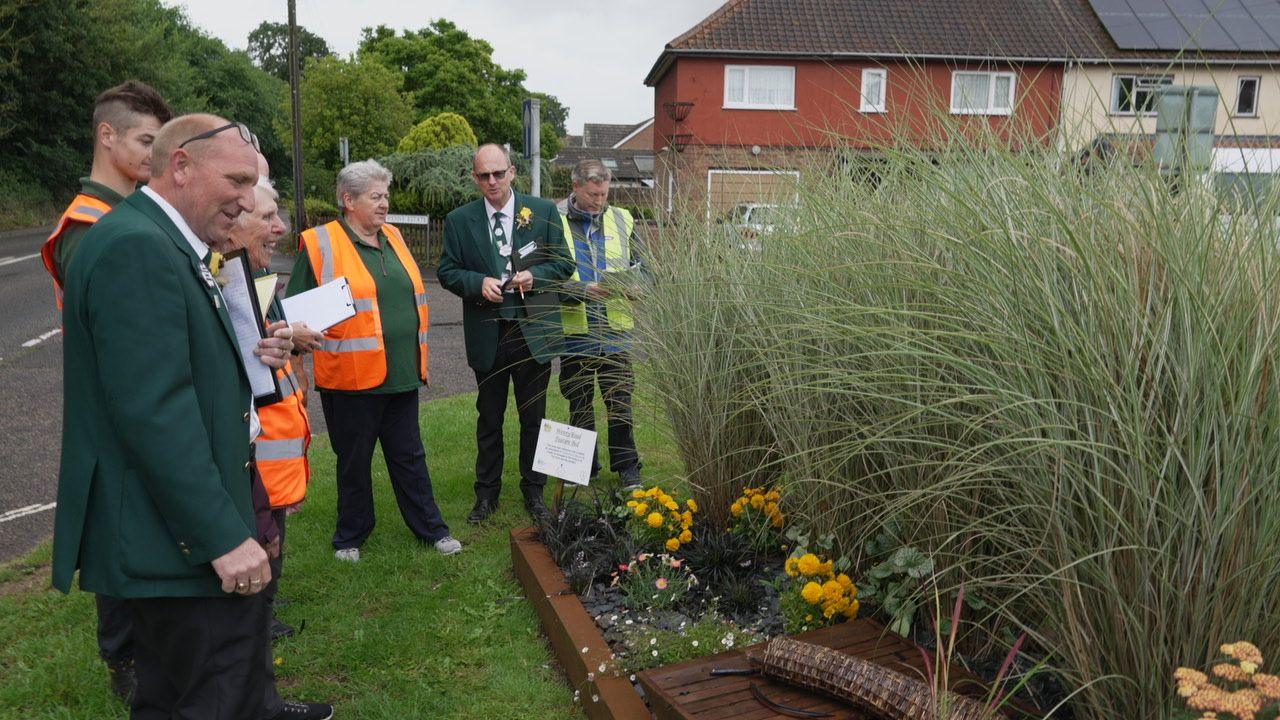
(31, 385)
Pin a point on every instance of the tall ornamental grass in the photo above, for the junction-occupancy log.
(1058, 383)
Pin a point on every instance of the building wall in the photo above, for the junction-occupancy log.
(643, 140)
(1087, 99)
(827, 104)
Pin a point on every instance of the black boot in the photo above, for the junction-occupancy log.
(481, 511)
(534, 505)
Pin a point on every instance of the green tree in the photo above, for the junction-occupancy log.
(444, 69)
(269, 47)
(439, 131)
(348, 98)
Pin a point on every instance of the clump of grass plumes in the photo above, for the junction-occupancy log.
(1058, 383)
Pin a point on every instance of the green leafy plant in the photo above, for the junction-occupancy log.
(655, 582)
(894, 586)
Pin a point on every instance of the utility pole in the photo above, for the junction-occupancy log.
(533, 142)
(299, 214)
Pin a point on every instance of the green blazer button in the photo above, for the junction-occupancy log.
(246, 417)
(246, 465)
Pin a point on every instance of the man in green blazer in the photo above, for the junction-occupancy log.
(505, 256)
(154, 498)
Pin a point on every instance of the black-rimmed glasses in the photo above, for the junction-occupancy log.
(245, 134)
(496, 175)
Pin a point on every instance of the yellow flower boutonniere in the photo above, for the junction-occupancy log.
(216, 261)
(523, 217)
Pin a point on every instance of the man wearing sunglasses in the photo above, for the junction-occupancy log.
(154, 498)
(505, 256)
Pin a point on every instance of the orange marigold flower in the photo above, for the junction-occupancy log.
(1230, 671)
(1268, 685)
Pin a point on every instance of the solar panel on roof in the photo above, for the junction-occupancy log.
(1209, 25)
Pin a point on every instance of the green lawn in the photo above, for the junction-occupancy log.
(405, 633)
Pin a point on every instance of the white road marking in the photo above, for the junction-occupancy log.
(25, 511)
(11, 260)
(36, 341)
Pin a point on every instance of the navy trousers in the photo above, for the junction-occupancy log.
(356, 423)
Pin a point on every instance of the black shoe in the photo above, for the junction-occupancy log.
(280, 629)
(124, 681)
(481, 511)
(536, 508)
(295, 710)
(630, 478)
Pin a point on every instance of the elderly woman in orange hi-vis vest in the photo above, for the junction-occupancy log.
(369, 367)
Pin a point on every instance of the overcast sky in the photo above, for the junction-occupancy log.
(593, 56)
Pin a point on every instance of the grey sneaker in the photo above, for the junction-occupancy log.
(447, 545)
(348, 554)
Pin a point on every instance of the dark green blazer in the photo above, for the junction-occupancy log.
(469, 257)
(154, 481)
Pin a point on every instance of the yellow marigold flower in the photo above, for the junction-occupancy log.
(692, 504)
(654, 520)
(632, 503)
(832, 590)
(687, 518)
(828, 568)
(791, 566)
(1249, 667)
(771, 508)
(809, 564)
(736, 510)
(671, 505)
(846, 582)
(829, 612)
(812, 593)
(808, 618)
(637, 494)
(851, 612)
(1186, 690)
(757, 502)
(777, 521)
(642, 508)
(686, 536)
(673, 544)
(773, 496)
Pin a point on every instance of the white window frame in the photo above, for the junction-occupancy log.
(991, 108)
(726, 171)
(1257, 92)
(1134, 112)
(746, 88)
(865, 105)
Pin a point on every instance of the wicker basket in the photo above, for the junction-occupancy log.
(873, 689)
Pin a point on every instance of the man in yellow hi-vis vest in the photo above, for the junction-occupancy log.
(126, 119)
(597, 315)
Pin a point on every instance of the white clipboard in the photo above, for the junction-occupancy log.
(323, 307)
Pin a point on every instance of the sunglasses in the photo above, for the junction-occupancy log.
(496, 175)
(245, 134)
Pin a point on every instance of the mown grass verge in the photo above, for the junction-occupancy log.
(405, 633)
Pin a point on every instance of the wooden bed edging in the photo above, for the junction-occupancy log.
(575, 638)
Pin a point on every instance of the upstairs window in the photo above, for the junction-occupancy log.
(1247, 96)
(982, 93)
(1136, 94)
(760, 87)
(874, 83)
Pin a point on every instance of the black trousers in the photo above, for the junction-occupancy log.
(272, 703)
(115, 630)
(579, 375)
(200, 658)
(513, 363)
(356, 423)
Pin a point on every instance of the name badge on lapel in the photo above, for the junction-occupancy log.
(206, 275)
(524, 251)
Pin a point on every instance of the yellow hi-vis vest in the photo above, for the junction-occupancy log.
(617, 228)
(352, 355)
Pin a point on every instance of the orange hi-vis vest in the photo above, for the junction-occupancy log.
(282, 447)
(83, 209)
(352, 355)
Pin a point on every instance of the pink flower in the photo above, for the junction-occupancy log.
(624, 567)
(642, 557)
(675, 563)
(661, 583)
